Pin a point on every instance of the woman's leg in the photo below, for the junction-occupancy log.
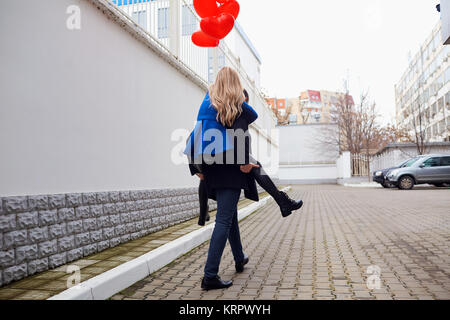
(287, 205)
(235, 240)
(227, 200)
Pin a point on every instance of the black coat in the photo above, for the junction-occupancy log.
(228, 175)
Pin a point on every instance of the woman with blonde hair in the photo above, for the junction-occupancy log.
(219, 153)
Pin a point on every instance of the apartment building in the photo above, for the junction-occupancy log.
(311, 106)
(422, 95)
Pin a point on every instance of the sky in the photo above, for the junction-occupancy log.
(316, 44)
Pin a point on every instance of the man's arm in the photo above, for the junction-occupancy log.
(249, 113)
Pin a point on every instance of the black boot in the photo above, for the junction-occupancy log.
(215, 283)
(287, 205)
(240, 266)
(204, 207)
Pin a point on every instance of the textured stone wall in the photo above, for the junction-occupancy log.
(38, 233)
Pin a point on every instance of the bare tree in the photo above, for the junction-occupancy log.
(358, 129)
(303, 110)
(283, 119)
(347, 116)
(385, 135)
(369, 127)
(419, 121)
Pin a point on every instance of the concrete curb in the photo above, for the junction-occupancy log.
(115, 280)
(362, 185)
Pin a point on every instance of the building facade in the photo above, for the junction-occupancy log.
(312, 106)
(422, 96)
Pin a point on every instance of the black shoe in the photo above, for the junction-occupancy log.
(208, 217)
(240, 266)
(288, 205)
(215, 283)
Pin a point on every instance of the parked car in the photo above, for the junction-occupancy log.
(431, 169)
(380, 175)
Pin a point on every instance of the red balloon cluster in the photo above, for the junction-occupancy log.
(218, 18)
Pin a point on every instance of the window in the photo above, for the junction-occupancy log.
(410, 163)
(432, 162)
(441, 126)
(163, 23)
(445, 161)
(293, 119)
(140, 17)
(433, 110)
(435, 130)
(441, 104)
(220, 61)
(189, 22)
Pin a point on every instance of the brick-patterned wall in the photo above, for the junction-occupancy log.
(38, 233)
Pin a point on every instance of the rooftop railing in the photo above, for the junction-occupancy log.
(170, 23)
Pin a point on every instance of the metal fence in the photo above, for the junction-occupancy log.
(170, 23)
(360, 165)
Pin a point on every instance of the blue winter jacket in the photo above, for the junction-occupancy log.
(207, 120)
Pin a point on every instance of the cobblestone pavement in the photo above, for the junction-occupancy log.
(324, 251)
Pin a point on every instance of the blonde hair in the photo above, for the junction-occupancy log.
(227, 96)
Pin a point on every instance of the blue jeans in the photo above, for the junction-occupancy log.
(226, 228)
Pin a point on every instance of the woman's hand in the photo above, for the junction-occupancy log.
(201, 176)
(248, 167)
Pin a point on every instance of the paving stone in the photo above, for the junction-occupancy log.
(57, 201)
(27, 220)
(74, 200)
(48, 217)
(57, 260)
(26, 253)
(8, 222)
(37, 235)
(15, 204)
(39, 202)
(74, 227)
(37, 266)
(48, 248)
(66, 214)
(7, 258)
(15, 238)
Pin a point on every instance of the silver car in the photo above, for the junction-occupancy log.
(431, 169)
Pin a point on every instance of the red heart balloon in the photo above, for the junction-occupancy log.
(218, 27)
(201, 39)
(232, 7)
(206, 8)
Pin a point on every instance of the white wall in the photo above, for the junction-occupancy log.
(304, 158)
(344, 166)
(88, 110)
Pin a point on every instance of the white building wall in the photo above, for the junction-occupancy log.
(86, 110)
(304, 158)
(93, 109)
